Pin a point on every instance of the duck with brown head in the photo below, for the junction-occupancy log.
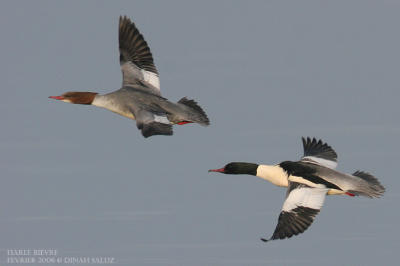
(76, 97)
(140, 97)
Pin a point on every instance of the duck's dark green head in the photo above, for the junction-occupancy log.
(238, 168)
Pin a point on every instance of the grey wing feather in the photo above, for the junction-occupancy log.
(136, 60)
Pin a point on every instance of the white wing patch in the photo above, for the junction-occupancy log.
(131, 73)
(151, 78)
(161, 119)
(306, 197)
(320, 161)
(299, 210)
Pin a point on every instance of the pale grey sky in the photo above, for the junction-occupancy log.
(85, 182)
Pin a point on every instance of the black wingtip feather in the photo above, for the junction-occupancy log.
(294, 222)
(133, 46)
(317, 148)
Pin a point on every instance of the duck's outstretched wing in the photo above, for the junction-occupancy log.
(136, 60)
(318, 152)
(301, 206)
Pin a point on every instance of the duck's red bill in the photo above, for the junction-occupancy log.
(221, 170)
(56, 97)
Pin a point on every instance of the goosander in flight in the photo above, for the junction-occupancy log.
(308, 181)
(139, 98)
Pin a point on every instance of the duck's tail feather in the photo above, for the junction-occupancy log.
(372, 189)
(199, 116)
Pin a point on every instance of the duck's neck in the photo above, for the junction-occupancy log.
(112, 104)
(273, 173)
